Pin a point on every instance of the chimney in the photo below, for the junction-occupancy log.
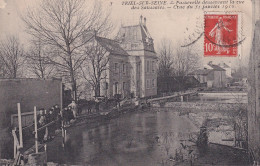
(141, 20)
(144, 21)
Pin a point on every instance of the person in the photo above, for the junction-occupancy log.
(70, 114)
(89, 105)
(41, 122)
(42, 118)
(47, 117)
(65, 115)
(73, 106)
(56, 109)
(51, 127)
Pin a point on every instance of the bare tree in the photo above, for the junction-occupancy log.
(166, 55)
(62, 24)
(95, 69)
(185, 61)
(11, 56)
(37, 60)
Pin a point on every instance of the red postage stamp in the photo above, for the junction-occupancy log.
(220, 35)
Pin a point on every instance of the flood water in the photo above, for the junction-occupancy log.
(140, 138)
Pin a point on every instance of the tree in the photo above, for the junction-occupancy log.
(11, 56)
(62, 25)
(185, 61)
(95, 69)
(37, 60)
(166, 54)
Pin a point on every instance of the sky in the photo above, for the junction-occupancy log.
(175, 25)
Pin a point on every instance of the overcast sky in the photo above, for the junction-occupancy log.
(175, 25)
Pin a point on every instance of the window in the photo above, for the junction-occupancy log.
(149, 83)
(116, 68)
(153, 82)
(138, 68)
(135, 34)
(116, 88)
(152, 66)
(147, 66)
(124, 68)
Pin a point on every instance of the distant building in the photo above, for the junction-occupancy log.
(212, 75)
(227, 68)
(132, 63)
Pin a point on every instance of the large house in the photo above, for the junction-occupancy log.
(132, 63)
(212, 75)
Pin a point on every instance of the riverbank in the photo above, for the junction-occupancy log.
(205, 107)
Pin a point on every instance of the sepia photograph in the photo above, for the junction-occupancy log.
(129, 82)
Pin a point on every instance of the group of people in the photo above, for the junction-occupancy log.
(45, 117)
(56, 115)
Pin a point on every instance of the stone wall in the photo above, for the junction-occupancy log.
(206, 106)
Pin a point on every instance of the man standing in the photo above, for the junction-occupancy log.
(73, 106)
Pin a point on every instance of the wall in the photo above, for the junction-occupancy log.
(149, 75)
(118, 76)
(253, 97)
(28, 92)
(206, 106)
(219, 79)
(135, 73)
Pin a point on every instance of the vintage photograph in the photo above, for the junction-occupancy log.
(129, 82)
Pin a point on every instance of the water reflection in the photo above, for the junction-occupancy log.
(143, 138)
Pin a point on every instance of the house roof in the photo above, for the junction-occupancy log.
(111, 45)
(136, 35)
(202, 72)
(216, 67)
(225, 65)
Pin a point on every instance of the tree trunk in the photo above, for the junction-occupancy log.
(97, 89)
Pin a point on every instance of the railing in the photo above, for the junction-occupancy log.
(175, 94)
(27, 119)
(18, 145)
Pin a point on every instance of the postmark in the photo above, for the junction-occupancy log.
(221, 34)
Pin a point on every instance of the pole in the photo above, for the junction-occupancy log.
(181, 98)
(35, 130)
(20, 124)
(14, 144)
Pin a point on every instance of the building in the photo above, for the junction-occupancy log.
(212, 75)
(227, 68)
(132, 63)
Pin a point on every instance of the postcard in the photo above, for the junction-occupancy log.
(129, 82)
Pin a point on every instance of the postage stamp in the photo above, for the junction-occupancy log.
(221, 35)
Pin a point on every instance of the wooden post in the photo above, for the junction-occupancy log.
(15, 145)
(45, 150)
(35, 130)
(65, 135)
(20, 125)
(181, 98)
